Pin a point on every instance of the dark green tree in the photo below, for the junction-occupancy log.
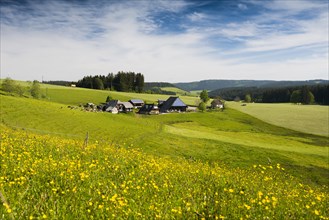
(307, 96)
(139, 83)
(204, 96)
(109, 81)
(296, 96)
(98, 83)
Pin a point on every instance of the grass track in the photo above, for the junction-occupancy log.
(284, 143)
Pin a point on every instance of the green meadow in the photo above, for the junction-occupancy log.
(228, 141)
(313, 119)
(75, 96)
(176, 90)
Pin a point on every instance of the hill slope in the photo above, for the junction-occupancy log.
(231, 137)
(63, 179)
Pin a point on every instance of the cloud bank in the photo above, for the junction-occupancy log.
(171, 41)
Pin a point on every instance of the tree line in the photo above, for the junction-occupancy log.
(122, 81)
(318, 94)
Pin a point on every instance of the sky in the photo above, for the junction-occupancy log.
(165, 40)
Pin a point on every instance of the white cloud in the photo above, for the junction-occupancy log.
(195, 16)
(70, 42)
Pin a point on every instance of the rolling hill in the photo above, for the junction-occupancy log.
(133, 166)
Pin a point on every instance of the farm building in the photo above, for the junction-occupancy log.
(216, 103)
(125, 106)
(115, 106)
(173, 104)
(111, 106)
(149, 109)
(137, 103)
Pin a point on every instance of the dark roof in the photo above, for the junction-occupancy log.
(146, 108)
(110, 105)
(136, 101)
(216, 102)
(172, 102)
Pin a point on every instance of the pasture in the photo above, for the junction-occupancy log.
(75, 96)
(59, 178)
(176, 90)
(231, 163)
(313, 119)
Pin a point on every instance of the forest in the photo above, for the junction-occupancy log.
(122, 81)
(316, 94)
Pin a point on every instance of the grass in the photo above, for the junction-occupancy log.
(176, 90)
(229, 137)
(134, 165)
(47, 177)
(313, 119)
(78, 95)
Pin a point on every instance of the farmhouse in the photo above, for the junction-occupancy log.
(115, 106)
(149, 109)
(173, 104)
(111, 106)
(137, 103)
(125, 106)
(216, 103)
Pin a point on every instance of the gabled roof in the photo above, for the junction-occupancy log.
(216, 102)
(136, 101)
(126, 104)
(172, 102)
(147, 108)
(110, 105)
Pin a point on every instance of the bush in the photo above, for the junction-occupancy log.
(202, 106)
(35, 89)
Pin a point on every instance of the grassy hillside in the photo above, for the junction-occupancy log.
(176, 90)
(47, 177)
(232, 164)
(313, 119)
(75, 96)
(229, 137)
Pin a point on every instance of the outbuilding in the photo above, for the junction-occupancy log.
(216, 103)
(149, 109)
(137, 103)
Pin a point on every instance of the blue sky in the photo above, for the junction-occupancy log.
(173, 41)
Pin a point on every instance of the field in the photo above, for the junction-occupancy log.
(208, 165)
(176, 90)
(78, 96)
(311, 119)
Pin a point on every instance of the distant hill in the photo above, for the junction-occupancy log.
(220, 84)
(150, 85)
(163, 88)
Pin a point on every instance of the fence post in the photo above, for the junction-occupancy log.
(86, 140)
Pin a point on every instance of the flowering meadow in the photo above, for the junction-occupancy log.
(46, 177)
